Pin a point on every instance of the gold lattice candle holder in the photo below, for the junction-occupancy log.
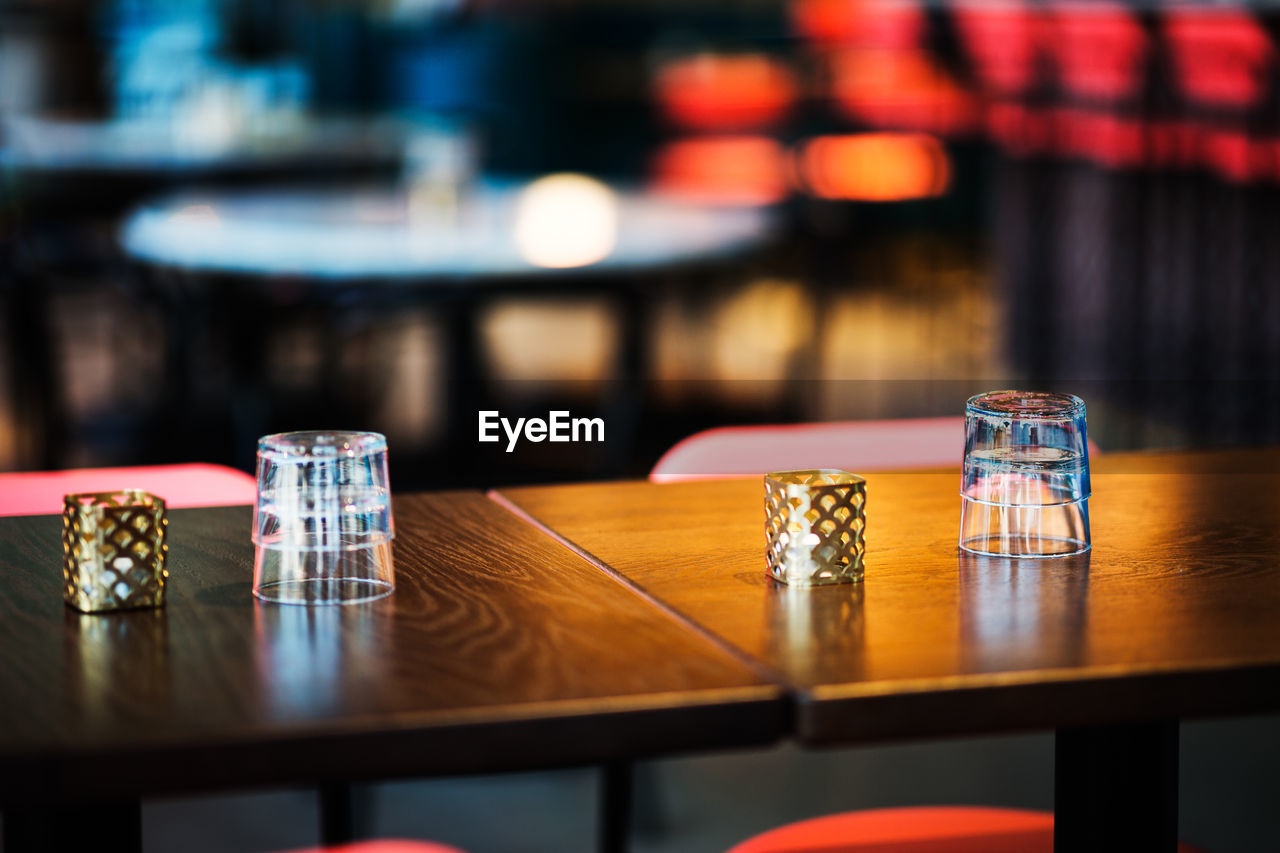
(113, 550)
(814, 526)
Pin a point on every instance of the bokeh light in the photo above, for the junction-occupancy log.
(566, 220)
(722, 170)
(1221, 56)
(725, 92)
(874, 167)
(900, 89)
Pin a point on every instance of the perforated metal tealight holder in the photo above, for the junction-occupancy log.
(815, 524)
(113, 550)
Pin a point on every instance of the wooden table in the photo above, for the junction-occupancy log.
(1173, 614)
(500, 650)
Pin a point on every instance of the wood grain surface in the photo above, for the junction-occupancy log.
(500, 650)
(1175, 612)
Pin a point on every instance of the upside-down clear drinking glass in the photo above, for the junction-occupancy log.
(1025, 486)
(322, 525)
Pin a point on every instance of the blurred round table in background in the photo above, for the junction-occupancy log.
(452, 246)
(486, 230)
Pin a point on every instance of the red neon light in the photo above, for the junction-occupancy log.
(731, 170)
(900, 90)
(1221, 58)
(1100, 50)
(1103, 138)
(867, 23)
(720, 92)
(1231, 154)
(1109, 140)
(1117, 142)
(1003, 41)
(1019, 130)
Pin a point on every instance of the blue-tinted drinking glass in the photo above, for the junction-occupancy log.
(1025, 486)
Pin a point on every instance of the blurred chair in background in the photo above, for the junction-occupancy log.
(189, 485)
(850, 445)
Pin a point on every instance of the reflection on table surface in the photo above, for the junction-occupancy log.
(1016, 614)
(306, 656)
(489, 228)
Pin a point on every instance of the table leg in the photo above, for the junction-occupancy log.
(1116, 788)
(346, 812)
(626, 397)
(35, 386)
(649, 817)
(464, 358)
(615, 807)
(52, 829)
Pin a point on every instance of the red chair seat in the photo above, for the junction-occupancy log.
(388, 846)
(924, 829)
(187, 485)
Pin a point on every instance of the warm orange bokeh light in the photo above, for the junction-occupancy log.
(874, 167)
(725, 92)
(742, 170)
(900, 90)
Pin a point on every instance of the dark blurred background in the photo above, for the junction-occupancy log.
(222, 218)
